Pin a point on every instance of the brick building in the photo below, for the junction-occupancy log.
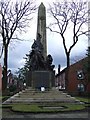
(77, 78)
(60, 80)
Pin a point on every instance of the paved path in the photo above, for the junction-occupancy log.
(83, 115)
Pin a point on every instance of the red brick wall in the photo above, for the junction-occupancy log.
(72, 77)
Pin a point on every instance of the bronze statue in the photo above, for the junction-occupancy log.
(37, 61)
(37, 45)
(36, 56)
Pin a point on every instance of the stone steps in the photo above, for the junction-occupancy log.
(31, 96)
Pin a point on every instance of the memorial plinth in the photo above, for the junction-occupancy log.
(38, 79)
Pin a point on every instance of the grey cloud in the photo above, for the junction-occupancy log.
(15, 57)
(54, 47)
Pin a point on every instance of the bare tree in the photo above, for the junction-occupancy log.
(66, 15)
(14, 17)
(1, 51)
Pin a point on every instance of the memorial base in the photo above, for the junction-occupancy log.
(38, 79)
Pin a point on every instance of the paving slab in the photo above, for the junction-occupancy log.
(54, 115)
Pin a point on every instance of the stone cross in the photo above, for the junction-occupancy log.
(41, 27)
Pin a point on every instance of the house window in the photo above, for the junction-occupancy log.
(80, 75)
(81, 87)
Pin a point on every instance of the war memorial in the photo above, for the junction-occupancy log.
(41, 73)
(40, 92)
(40, 82)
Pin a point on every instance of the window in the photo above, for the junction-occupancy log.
(80, 75)
(80, 87)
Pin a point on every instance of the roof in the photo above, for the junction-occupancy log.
(84, 59)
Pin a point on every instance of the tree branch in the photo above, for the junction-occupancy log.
(53, 30)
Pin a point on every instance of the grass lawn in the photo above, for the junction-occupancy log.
(41, 108)
(44, 108)
(83, 99)
(5, 98)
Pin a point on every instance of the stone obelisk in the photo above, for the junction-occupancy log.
(41, 27)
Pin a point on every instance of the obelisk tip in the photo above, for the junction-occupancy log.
(42, 5)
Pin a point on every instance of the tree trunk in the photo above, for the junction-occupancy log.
(67, 71)
(68, 59)
(4, 83)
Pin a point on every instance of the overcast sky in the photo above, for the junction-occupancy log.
(54, 46)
